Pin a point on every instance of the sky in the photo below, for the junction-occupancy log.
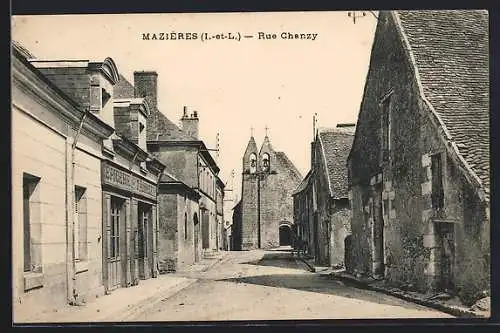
(234, 85)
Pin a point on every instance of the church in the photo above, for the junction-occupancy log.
(265, 212)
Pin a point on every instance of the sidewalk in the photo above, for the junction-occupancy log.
(120, 305)
(205, 263)
(450, 307)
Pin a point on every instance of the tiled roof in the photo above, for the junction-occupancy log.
(287, 164)
(303, 184)
(123, 88)
(159, 127)
(451, 52)
(335, 146)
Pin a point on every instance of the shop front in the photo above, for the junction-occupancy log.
(129, 227)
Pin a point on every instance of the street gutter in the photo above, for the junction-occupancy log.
(449, 309)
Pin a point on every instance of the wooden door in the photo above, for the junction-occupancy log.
(114, 268)
(446, 238)
(196, 238)
(378, 234)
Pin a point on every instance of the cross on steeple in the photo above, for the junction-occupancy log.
(251, 131)
(266, 128)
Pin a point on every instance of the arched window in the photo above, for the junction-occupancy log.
(185, 226)
(266, 163)
(253, 163)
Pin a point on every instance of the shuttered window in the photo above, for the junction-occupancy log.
(437, 183)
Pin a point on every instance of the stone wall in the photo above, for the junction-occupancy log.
(168, 231)
(412, 246)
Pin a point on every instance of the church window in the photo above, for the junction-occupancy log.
(253, 163)
(265, 162)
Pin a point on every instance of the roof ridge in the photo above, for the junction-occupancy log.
(436, 119)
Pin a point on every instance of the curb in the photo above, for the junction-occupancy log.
(216, 262)
(452, 310)
(309, 266)
(128, 314)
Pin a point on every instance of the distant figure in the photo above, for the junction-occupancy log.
(300, 246)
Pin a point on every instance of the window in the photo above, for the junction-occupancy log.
(265, 162)
(437, 195)
(96, 98)
(185, 226)
(80, 223)
(144, 218)
(105, 96)
(30, 183)
(141, 127)
(386, 129)
(253, 163)
(116, 205)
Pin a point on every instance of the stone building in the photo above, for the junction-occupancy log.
(56, 149)
(128, 175)
(268, 181)
(189, 162)
(322, 210)
(303, 210)
(179, 237)
(419, 164)
(236, 230)
(219, 195)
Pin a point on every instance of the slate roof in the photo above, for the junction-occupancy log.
(335, 146)
(451, 52)
(159, 127)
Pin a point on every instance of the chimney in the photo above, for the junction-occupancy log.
(146, 85)
(190, 123)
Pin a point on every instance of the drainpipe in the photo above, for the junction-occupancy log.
(73, 296)
(133, 160)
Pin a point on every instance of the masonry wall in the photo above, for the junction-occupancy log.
(249, 229)
(276, 201)
(185, 237)
(41, 152)
(89, 275)
(181, 162)
(411, 246)
(168, 230)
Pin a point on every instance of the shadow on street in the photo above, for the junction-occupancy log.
(306, 281)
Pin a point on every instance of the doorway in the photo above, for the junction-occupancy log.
(446, 241)
(115, 229)
(285, 234)
(378, 233)
(144, 233)
(196, 237)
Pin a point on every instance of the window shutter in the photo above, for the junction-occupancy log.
(95, 98)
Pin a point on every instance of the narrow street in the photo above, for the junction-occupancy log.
(272, 285)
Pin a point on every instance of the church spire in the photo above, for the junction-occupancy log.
(250, 154)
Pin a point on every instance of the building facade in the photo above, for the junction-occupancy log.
(187, 160)
(419, 164)
(268, 180)
(56, 169)
(321, 203)
(179, 239)
(89, 191)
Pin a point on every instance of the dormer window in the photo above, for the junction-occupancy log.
(253, 163)
(105, 96)
(96, 97)
(265, 162)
